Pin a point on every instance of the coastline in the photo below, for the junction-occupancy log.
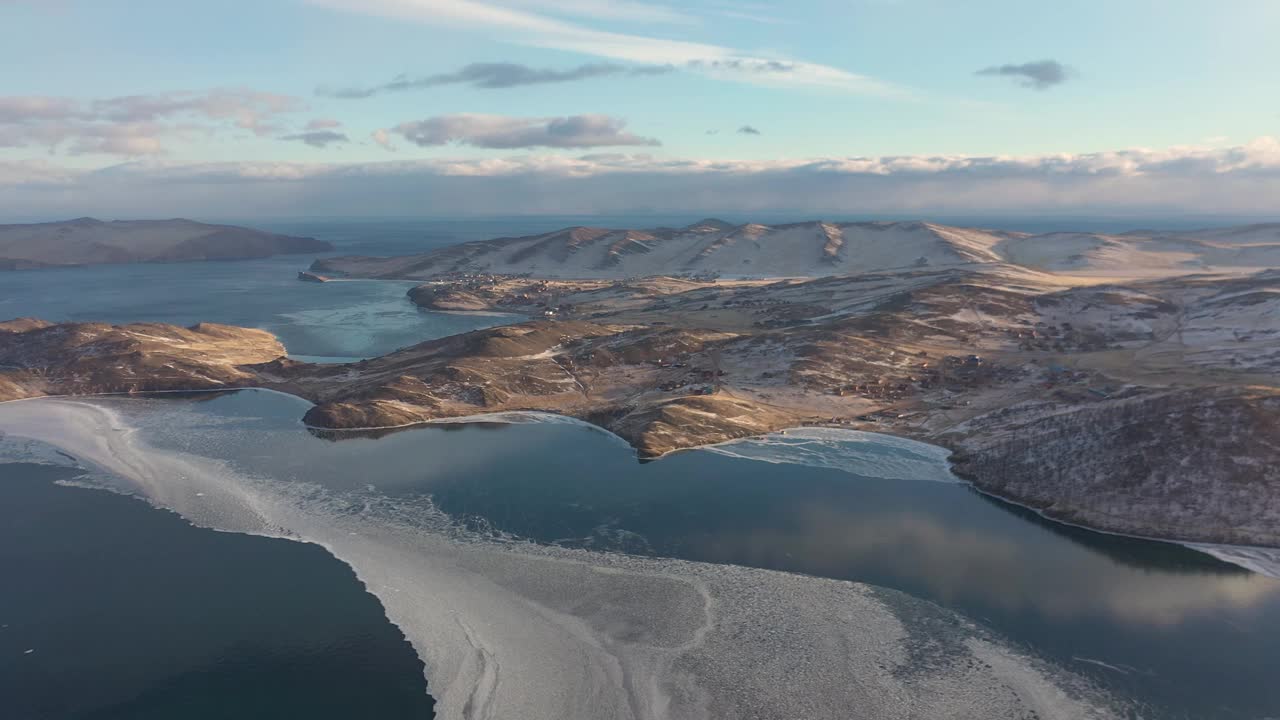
(495, 637)
(1262, 559)
(1052, 415)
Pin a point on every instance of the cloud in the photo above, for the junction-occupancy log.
(498, 75)
(643, 12)
(324, 124)
(748, 130)
(136, 125)
(511, 23)
(502, 132)
(754, 17)
(1244, 179)
(383, 139)
(1040, 75)
(318, 138)
(35, 108)
(247, 109)
(746, 65)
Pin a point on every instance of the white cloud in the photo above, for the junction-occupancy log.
(502, 132)
(1242, 179)
(383, 139)
(136, 125)
(522, 27)
(628, 10)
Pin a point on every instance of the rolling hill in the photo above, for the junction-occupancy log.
(816, 249)
(87, 241)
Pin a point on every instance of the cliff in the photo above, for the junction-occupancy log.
(1200, 464)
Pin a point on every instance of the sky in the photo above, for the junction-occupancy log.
(435, 107)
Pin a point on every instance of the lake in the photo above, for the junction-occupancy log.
(435, 528)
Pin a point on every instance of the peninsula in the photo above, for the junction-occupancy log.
(87, 241)
(1145, 404)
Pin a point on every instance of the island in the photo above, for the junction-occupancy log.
(1146, 403)
(88, 241)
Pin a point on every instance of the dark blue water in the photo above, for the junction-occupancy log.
(111, 610)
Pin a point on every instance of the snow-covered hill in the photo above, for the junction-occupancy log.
(1246, 249)
(814, 249)
(711, 246)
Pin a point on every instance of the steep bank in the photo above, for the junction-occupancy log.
(1199, 465)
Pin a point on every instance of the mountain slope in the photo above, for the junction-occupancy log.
(87, 241)
(815, 249)
(1148, 252)
(709, 246)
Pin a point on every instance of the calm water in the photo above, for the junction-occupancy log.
(329, 322)
(1185, 635)
(111, 609)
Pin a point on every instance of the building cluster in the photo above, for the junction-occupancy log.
(702, 380)
(953, 372)
(1062, 337)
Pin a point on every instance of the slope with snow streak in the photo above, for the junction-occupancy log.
(1147, 253)
(792, 250)
(509, 630)
(820, 249)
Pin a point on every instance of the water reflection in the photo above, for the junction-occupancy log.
(1154, 620)
(573, 485)
(956, 564)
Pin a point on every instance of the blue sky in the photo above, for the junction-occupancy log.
(146, 90)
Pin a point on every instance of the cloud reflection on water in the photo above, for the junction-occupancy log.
(962, 563)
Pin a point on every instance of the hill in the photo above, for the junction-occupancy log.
(87, 241)
(1148, 407)
(819, 249)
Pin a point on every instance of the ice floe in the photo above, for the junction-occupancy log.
(513, 630)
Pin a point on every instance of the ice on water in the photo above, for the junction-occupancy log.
(861, 453)
(513, 630)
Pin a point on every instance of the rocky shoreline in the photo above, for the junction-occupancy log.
(1089, 421)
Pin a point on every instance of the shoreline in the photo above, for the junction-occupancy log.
(491, 635)
(1267, 568)
(1106, 419)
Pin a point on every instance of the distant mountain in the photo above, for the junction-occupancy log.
(86, 241)
(812, 249)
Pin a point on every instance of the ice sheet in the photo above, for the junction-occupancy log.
(513, 630)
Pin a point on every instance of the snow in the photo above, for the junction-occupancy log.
(1264, 561)
(819, 249)
(1146, 254)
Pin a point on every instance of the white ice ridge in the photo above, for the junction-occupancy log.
(860, 453)
(1264, 561)
(511, 630)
